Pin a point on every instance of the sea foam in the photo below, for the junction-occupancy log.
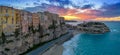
(69, 46)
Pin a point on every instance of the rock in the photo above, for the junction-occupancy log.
(93, 27)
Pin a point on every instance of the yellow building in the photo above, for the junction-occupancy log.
(0, 27)
(18, 19)
(8, 19)
(0, 22)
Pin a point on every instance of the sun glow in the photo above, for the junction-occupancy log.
(108, 19)
(70, 17)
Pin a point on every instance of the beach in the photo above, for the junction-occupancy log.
(57, 49)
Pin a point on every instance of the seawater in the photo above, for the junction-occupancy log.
(95, 44)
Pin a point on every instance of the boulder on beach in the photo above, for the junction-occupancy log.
(93, 27)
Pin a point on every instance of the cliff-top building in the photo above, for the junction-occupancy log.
(8, 19)
(0, 22)
(24, 21)
(36, 20)
(44, 22)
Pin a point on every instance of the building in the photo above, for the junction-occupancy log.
(8, 19)
(49, 19)
(0, 21)
(44, 22)
(18, 20)
(36, 21)
(56, 19)
(24, 21)
(62, 21)
(43, 19)
(30, 20)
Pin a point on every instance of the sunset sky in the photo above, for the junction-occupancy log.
(96, 10)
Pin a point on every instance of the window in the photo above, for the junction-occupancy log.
(0, 9)
(6, 10)
(17, 21)
(0, 20)
(6, 19)
(12, 11)
(12, 20)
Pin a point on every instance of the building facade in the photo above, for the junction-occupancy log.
(24, 21)
(61, 20)
(36, 21)
(0, 21)
(45, 21)
(12, 19)
(8, 19)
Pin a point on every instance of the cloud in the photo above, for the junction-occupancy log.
(40, 8)
(36, 4)
(111, 10)
(61, 2)
(87, 6)
(64, 3)
(38, 0)
(81, 10)
(47, 7)
(27, 4)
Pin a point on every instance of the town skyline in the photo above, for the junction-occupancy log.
(59, 27)
(81, 10)
(34, 28)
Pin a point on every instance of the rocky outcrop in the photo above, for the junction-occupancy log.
(93, 27)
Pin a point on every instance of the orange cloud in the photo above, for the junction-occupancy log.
(107, 19)
(81, 14)
(74, 14)
(70, 17)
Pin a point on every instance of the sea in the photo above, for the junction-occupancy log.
(95, 44)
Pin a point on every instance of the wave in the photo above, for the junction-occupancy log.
(69, 46)
(115, 30)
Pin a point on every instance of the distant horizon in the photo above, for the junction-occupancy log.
(89, 20)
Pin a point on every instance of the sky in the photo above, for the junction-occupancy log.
(81, 10)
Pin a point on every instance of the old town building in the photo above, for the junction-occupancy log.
(12, 19)
(36, 21)
(61, 20)
(24, 21)
(8, 19)
(44, 22)
(0, 21)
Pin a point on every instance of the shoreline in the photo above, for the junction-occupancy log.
(43, 49)
(58, 49)
(55, 50)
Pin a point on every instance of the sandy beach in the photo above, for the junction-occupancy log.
(55, 50)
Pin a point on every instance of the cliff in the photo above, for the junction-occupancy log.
(93, 27)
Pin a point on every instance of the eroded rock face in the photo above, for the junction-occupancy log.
(93, 27)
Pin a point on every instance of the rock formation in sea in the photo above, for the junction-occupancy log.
(93, 27)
